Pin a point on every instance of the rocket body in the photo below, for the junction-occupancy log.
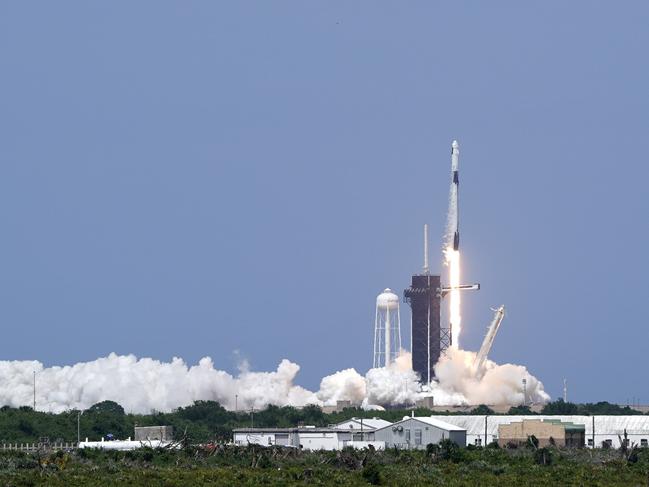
(455, 190)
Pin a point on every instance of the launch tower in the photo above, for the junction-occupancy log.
(424, 297)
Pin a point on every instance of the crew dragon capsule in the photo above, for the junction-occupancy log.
(455, 159)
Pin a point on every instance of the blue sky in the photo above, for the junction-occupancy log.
(195, 178)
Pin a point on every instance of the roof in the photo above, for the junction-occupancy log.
(369, 423)
(287, 430)
(567, 425)
(437, 423)
(604, 425)
(264, 430)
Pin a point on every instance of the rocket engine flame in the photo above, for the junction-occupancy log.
(452, 259)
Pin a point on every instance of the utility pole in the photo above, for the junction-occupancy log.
(34, 390)
(252, 418)
(79, 427)
(236, 403)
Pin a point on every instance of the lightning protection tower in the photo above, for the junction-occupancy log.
(387, 329)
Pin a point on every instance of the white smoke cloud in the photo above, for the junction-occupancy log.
(345, 385)
(458, 383)
(144, 385)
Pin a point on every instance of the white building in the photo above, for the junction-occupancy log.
(417, 432)
(307, 438)
(481, 430)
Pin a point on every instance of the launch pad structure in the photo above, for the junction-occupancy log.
(424, 298)
(429, 339)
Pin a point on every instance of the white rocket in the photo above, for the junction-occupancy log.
(454, 215)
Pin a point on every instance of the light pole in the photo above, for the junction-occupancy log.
(236, 403)
(79, 427)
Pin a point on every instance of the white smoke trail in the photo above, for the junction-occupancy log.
(145, 385)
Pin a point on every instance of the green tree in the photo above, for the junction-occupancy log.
(108, 407)
(560, 407)
(520, 411)
(482, 409)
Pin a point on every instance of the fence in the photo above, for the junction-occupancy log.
(32, 447)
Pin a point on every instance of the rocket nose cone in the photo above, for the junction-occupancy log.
(455, 145)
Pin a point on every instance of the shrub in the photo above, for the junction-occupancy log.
(372, 474)
(448, 450)
(432, 448)
(543, 456)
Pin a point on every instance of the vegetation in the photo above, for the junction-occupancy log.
(443, 464)
(209, 421)
(205, 459)
(589, 409)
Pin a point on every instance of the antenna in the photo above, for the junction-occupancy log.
(565, 390)
(426, 269)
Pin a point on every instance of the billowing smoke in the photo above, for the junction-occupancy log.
(458, 382)
(145, 385)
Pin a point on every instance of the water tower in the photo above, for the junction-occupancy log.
(387, 329)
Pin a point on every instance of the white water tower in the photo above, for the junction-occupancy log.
(387, 329)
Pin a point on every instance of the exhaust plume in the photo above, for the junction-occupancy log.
(145, 385)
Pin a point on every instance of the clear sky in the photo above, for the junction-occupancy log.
(196, 178)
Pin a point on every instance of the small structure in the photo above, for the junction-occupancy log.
(426, 402)
(266, 437)
(417, 432)
(150, 433)
(546, 431)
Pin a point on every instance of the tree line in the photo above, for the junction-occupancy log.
(206, 421)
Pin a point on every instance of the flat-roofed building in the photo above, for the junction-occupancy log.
(546, 431)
